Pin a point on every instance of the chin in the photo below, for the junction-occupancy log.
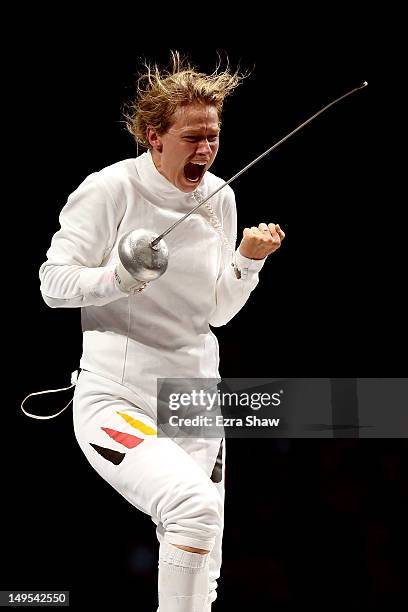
(188, 188)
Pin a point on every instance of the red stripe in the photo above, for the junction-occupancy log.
(123, 438)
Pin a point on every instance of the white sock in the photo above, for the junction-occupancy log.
(183, 580)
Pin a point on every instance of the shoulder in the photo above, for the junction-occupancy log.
(114, 180)
(117, 176)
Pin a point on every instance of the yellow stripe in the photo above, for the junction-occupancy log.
(149, 431)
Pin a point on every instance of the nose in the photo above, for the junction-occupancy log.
(204, 147)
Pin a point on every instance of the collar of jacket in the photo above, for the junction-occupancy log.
(160, 186)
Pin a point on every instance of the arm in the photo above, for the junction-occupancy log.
(236, 280)
(239, 279)
(73, 275)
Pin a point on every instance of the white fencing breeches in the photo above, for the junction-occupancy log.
(153, 473)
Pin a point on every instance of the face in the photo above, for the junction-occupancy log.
(185, 152)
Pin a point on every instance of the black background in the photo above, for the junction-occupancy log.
(308, 522)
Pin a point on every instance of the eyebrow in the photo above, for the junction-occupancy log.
(199, 132)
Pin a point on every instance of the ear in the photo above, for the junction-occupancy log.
(154, 139)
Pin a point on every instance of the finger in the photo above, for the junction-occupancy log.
(280, 231)
(256, 232)
(274, 233)
(263, 227)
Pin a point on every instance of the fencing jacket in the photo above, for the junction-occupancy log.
(164, 330)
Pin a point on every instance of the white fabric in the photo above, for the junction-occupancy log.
(215, 560)
(183, 580)
(169, 321)
(157, 477)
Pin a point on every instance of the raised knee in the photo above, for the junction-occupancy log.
(210, 505)
(198, 514)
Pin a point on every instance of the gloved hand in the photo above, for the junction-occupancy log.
(126, 282)
(139, 262)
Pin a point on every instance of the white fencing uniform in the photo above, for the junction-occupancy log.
(130, 341)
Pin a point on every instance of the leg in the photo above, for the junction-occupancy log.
(183, 579)
(216, 552)
(156, 476)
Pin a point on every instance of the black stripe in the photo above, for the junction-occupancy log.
(109, 454)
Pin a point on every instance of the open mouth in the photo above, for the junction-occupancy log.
(193, 171)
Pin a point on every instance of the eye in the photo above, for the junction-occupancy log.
(213, 138)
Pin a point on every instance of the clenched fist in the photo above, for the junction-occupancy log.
(258, 242)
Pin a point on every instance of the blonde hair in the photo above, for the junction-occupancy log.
(161, 91)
